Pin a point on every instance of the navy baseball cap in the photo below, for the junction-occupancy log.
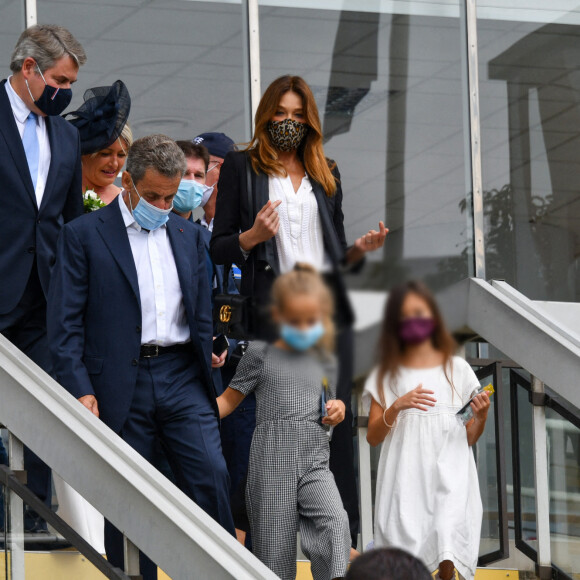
(218, 144)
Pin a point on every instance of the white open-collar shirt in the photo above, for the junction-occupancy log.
(164, 321)
(21, 112)
(300, 237)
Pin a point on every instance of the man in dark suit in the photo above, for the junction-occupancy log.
(40, 182)
(130, 329)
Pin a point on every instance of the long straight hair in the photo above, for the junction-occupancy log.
(391, 348)
(263, 153)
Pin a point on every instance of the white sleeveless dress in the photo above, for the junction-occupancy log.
(427, 496)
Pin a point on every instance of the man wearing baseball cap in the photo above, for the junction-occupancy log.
(218, 145)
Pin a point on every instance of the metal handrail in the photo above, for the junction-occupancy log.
(519, 329)
(11, 481)
(154, 514)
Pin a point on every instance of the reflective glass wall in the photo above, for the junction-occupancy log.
(390, 90)
(530, 118)
(11, 25)
(182, 61)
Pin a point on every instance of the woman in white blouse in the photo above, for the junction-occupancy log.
(280, 202)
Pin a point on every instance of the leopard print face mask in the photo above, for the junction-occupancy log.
(287, 135)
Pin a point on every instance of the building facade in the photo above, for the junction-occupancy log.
(391, 78)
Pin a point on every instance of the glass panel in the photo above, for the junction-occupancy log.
(389, 88)
(182, 61)
(564, 473)
(526, 468)
(486, 460)
(530, 113)
(11, 25)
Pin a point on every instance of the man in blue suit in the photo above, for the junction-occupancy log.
(40, 183)
(130, 329)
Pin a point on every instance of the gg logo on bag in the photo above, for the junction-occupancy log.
(225, 313)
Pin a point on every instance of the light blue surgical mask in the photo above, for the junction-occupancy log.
(301, 339)
(147, 215)
(188, 196)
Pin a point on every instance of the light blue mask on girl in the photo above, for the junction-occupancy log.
(301, 339)
(148, 216)
(189, 195)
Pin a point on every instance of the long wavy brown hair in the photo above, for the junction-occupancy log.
(391, 348)
(264, 155)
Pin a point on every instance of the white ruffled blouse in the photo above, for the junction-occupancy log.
(300, 237)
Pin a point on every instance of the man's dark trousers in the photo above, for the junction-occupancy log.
(25, 327)
(170, 403)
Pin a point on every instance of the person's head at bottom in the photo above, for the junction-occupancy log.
(155, 167)
(387, 564)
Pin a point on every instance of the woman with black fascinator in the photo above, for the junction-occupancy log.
(105, 141)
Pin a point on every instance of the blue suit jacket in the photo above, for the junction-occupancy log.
(94, 311)
(218, 272)
(27, 231)
(215, 270)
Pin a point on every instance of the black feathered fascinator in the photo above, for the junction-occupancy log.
(101, 118)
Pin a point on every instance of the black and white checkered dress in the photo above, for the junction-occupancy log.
(290, 486)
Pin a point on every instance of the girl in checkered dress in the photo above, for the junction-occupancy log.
(290, 486)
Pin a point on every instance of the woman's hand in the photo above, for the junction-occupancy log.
(480, 406)
(418, 398)
(372, 240)
(265, 227)
(218, 361)
(336, 411)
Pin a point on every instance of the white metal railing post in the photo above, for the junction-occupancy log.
(16, 510)
(251, 45)
(541, 483)
(30, 17)
(474, 130)
(364, 470)
(131, 553)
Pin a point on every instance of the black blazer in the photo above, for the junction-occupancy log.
(235, 214)
(27, 231)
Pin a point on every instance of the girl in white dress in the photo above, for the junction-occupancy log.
(427, 499)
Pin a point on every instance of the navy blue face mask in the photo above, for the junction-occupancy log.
(53, 100)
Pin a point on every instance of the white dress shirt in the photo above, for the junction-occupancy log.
(164, 321)
(300, 237)
(204, 223)
(21, 112)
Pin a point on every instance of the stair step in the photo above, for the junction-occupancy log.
(481, 574)
(70, 565)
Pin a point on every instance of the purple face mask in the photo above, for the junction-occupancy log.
(416, 330)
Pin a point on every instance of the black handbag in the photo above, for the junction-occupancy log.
(233, 314)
